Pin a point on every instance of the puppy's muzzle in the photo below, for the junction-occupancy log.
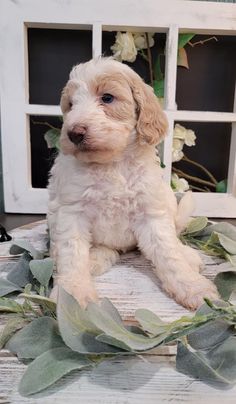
(77, 135)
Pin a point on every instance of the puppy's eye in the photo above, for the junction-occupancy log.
(107, 98)
(70, 105)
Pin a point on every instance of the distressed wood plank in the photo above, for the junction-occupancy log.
(121, 380)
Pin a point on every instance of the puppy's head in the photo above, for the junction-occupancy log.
(106, 108)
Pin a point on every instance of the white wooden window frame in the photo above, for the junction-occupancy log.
(171, 17)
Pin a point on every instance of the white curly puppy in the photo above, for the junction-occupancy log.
(106, 193)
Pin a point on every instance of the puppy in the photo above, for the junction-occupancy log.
(106, 192)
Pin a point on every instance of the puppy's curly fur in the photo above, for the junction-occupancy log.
(106, 192)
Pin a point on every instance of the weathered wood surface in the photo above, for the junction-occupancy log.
(147, 379)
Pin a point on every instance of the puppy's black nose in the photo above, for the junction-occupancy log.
(77, 135)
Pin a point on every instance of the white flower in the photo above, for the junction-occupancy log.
(128, 44)
(124, 48)
(177, 155)
(190, 138)
(179, 132)
(179, 184)
(177, 147)
(141, 42)
(182, 136)
(187, 135)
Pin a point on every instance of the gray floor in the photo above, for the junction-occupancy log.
(11, 220)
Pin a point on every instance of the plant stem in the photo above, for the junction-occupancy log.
(185, 158)
(149, 54)
(184, 331)
(198, 188)
(191, 177)
(202, 42)
(45, 124)
(142, 53)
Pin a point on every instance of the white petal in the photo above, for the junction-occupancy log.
(177, 155)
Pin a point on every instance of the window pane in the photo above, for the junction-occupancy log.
(42, 157)
(210, 153)
(52, 54)
(209, 83)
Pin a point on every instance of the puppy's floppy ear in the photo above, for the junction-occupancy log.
(66, 95)
(151, 121)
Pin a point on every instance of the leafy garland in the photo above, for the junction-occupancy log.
(57, 339)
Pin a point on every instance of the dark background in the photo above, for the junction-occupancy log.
(208, 85)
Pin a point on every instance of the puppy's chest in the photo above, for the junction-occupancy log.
(110, 196)
(112, 205)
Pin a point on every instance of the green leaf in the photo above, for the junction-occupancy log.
(213, 332)
(207, 368)
(107, 305)
(52, 138)
(13, 325)
(20, 274)
(221, 186)
(10, 306)
(158, 75)
(196, 225)
(227, 243)
(37, 337)
(111, 328)
(28, 288)
(223, 359)
(46, 303)
(150, 322)
(184, 39)
(224, 228)
(195, 364)
(75, 327)
(113, 341)
(231, 259)
(50, 367)
(209, 335)
(226, 284)
(158, 86)
(213, 239)
(22, 245)
(42, 270)
(7, 287)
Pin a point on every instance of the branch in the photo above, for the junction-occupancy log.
(198, 188)
(195, 179)
(202, 42)
(185, 158)
(45, 124)
(149, 54)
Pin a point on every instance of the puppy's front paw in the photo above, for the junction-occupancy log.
(85, 294)
(81, 289)
(195, 294)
